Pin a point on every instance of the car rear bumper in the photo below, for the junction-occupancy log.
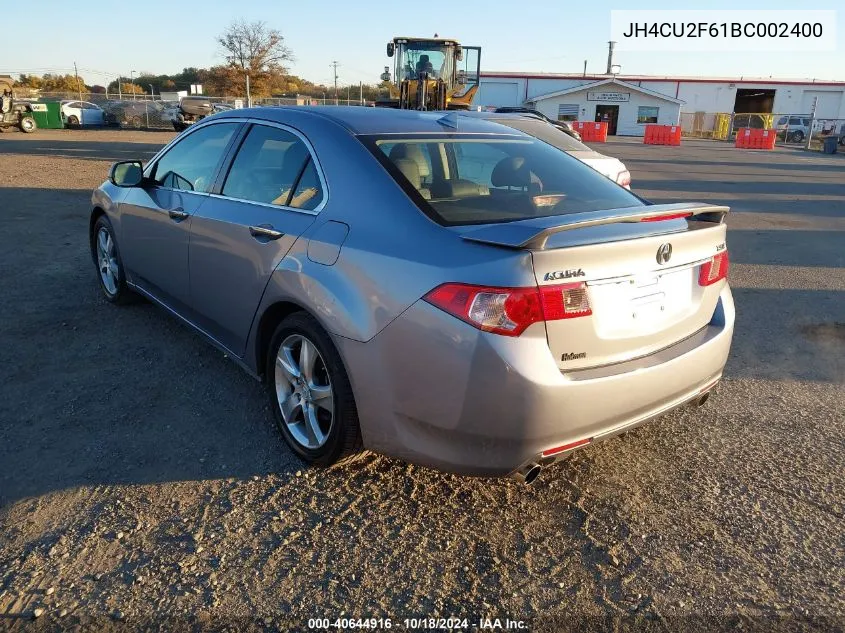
(432, 390)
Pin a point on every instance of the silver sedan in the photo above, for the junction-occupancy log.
(429, 285)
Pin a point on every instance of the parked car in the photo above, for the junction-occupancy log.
(436, 287)
(794, 129)
(82, 113)
(134, 114)
(564, 126)
(609, 166)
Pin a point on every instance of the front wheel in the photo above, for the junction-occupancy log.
(73, 120)
(310, 393)
(27, 125)
(798, 136)
(109, 264)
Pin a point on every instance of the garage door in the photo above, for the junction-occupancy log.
(498, 94)
(827, 106)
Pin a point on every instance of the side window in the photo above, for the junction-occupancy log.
(308, 194)
(267, 167)
(795, 121)
(190, 164)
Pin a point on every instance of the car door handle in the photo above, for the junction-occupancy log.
(265, 230)
(178, 214)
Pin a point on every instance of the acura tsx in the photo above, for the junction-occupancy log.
(428, 285)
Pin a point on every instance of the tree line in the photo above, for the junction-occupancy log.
(249, 49)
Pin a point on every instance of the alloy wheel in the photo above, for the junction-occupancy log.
(107, 261)
(304, 391)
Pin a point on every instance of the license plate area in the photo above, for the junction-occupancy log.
(642, 304)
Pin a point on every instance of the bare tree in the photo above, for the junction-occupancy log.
(253, 48)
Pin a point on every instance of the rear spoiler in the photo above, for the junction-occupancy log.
(534, 232)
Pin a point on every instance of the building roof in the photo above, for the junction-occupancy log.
(690, 79)
(606, 82)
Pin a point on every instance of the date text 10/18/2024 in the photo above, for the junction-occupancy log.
(446, 624)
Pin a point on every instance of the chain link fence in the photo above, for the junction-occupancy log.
(791, 129)
(144, 111)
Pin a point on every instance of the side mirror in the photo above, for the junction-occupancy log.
(126, 173)
(390, 49)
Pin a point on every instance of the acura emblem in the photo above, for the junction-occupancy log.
(664, 253)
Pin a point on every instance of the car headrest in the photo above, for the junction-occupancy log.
(294, 159)
(410, 170)
(412, 152)
(511, 172)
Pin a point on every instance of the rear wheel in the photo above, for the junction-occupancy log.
(797, 136)
(135, 122)
(73, 120)
(310, 393)
(27, 125)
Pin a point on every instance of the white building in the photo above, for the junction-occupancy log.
(628, 102)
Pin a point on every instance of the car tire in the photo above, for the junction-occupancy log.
(797, 136)
(27, 125)
(135, 122)
(73, 121)
(320, 420)
(842, 140)
(106, 256)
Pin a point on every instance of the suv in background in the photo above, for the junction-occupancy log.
(794, 129)
(563, 126)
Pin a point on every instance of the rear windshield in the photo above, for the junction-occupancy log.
(461, 179)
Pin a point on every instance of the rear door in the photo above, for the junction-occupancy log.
(640, 286)
(267, 199)
(156, 216)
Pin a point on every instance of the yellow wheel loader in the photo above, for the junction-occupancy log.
(431, 74)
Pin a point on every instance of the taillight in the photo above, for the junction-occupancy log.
(509, 311)
(624, 178)
(714, 270)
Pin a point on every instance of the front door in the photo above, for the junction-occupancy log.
(240, 235)
(156, 216)
(608, 114)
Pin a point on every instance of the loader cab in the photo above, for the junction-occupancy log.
(414, 57)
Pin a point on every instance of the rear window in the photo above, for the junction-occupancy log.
(459, 180)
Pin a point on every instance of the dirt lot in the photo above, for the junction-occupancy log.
(142, 482)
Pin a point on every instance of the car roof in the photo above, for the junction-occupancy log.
(365, 120)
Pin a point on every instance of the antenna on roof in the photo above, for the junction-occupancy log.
(449, 120)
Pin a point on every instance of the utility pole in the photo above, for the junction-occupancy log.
(132, 81)
(78, 87)
(812, 122)
(585, 67)
(119, 89)
(248, 95)
(348, 93)
(361, 88)
(334, 65)
(610, 47)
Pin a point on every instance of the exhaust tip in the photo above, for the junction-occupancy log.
(702, 399)
(527, 474)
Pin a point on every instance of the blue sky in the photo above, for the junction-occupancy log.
(540, 35)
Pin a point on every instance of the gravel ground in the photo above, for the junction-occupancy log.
(143, 484)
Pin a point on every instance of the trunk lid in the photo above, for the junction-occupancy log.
(640, 300)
